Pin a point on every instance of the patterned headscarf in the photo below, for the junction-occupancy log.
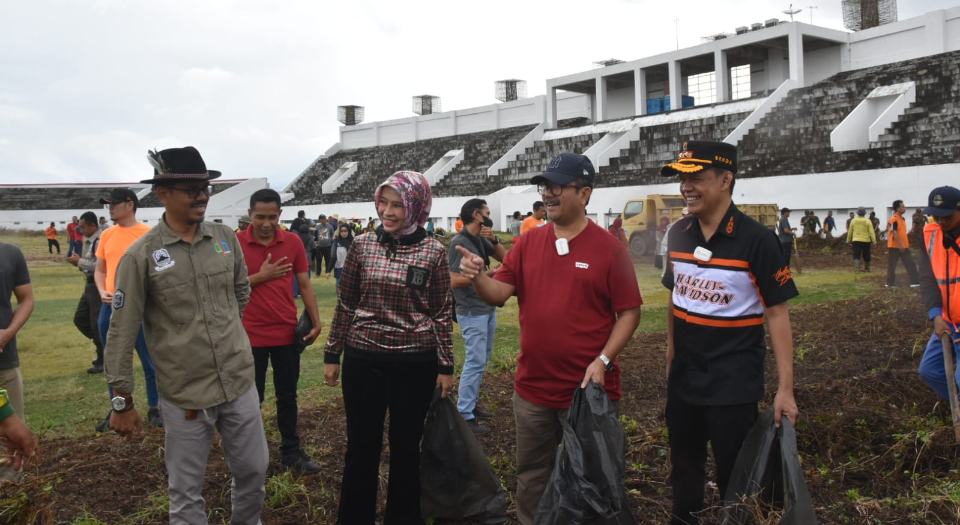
(417, 199)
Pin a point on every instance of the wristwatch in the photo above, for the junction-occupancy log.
(122, 404)
(496, 240)
(607, 363)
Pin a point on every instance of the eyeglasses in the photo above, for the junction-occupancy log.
(195, 191)
(554, 190)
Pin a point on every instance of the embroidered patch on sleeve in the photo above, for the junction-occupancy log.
(118, 300)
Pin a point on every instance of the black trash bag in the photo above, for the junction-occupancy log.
(456, 480)
(768, 470)
(587, 484)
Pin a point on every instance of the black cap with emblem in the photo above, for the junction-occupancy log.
(697, 155)
(566, 168)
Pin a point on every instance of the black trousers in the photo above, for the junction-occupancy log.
(87, 316)
(50, 245)
(286, 375)
(861, 248)
(324, 259)
(370, 388)
(894, 255)
(787, 248)
(691, 427)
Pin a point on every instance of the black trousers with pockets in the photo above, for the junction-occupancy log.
(690, 428)
(370, 389)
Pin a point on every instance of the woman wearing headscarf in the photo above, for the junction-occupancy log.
(341, 245)
(393, 326)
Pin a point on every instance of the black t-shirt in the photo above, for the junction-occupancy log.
(13, 273)
(718, 335)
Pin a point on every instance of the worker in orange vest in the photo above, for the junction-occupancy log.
(940, 282)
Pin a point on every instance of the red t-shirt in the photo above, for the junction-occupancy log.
(72, 232)
(271, 316)
(568, 307)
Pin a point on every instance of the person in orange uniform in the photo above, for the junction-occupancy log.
(899, 247)
(536, 220)
(940, 282)
(52, 238)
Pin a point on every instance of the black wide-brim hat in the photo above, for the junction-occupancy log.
(176, 164)
(697, 155)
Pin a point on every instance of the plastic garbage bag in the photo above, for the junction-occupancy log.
(587, 484)
(456, 480)
(768, 468)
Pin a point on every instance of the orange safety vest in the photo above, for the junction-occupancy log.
(940, 260)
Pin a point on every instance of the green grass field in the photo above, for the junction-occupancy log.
(62, 400)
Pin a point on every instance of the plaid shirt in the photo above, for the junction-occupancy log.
(398, 308)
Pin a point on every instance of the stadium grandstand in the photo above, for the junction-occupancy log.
(33, 207)
(825, 119)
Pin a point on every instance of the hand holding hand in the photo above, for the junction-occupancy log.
(73, 259)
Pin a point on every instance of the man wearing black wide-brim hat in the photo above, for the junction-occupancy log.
(186, 281)
(727, 274)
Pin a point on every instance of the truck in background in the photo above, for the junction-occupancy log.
(641, 217)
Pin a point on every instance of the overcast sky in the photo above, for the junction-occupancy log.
(87, 86)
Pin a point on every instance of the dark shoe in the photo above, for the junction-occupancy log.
(154, 417)
(480, 413)
(299, 463)
(104, 425)
(477, 428)
(96, 362)
(95, 369)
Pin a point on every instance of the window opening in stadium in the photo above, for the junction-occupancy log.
(740, 82)
(702, 88)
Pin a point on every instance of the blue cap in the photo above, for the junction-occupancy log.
(566, 168)
(943, 201)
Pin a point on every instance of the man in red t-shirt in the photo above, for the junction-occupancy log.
(72, 244)
(270, 318)
(579, 305)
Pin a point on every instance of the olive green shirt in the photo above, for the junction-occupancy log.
(189, 298)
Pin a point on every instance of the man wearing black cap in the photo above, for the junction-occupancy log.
(726, 273)
(579, 305)
(113, 243)
(88, 309)
(186, 281)
(940, 282)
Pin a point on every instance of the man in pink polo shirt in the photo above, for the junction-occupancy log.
(274, 259)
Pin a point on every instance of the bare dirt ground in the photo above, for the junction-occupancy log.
(874, 441)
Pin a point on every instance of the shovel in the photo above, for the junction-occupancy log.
(950, 369)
